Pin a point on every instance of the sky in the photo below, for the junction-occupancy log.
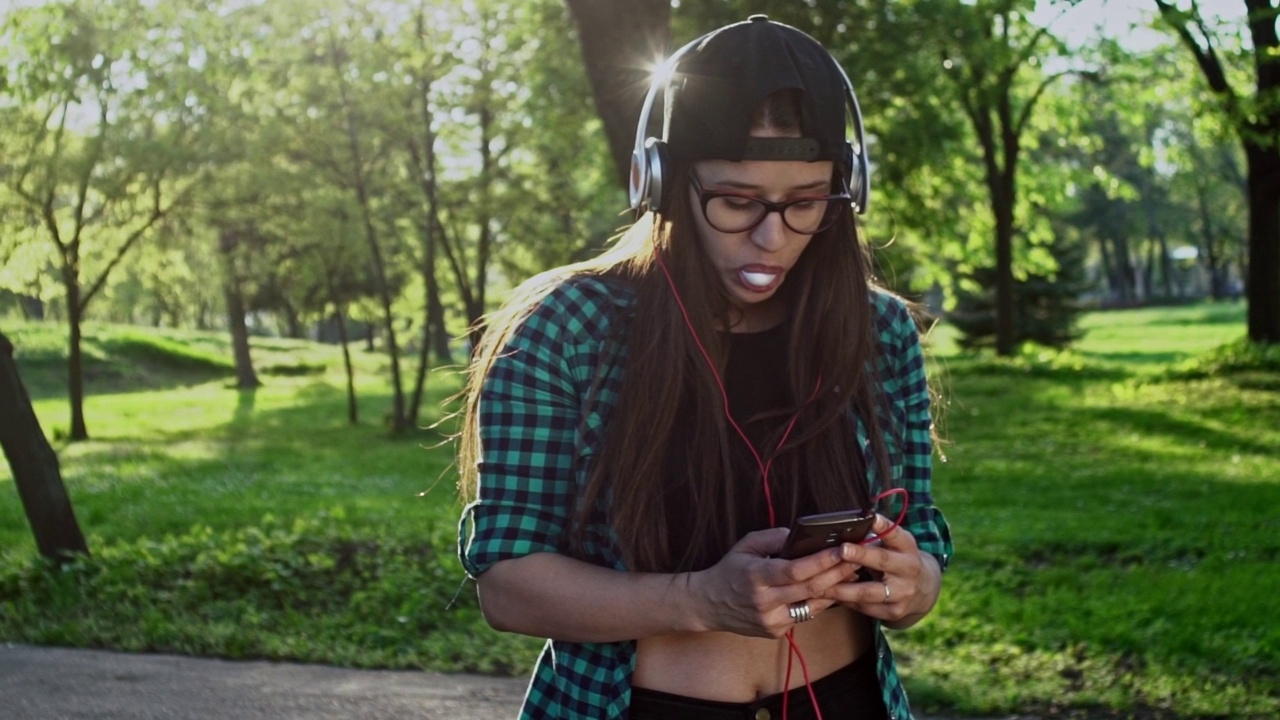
(1122, 19)
(1077, 25)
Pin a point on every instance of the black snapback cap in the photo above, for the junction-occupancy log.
(722, 80)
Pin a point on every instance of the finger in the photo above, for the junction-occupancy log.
(808, 569)
(816, 586)
(816, 606)
(892, 536)
(762, 543)
(895, 552)
(872, 557)
(869, 598)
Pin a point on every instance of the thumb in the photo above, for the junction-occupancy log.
(764, 543)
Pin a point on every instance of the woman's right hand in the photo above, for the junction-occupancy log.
(748, 591)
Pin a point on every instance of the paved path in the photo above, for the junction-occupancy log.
(42, 683)
(50, 683)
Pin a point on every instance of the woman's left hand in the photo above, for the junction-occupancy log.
(909, 584)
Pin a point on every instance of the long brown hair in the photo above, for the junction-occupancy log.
(832, 347)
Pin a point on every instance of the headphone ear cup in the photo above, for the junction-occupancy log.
(853, 176)
(638, 187)
(658, 166)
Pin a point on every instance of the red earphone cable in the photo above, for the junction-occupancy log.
(764, 477)
(793, 648)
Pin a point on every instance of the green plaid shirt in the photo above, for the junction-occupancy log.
(538, 448)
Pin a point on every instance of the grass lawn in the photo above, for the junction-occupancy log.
(174, 443)
(1114, 511)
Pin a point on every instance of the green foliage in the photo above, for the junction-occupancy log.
(1046, 307)
(133, 346)
(1107, 514)
(131, 358)
(309, 590)
(1104, 512)
(294, 369)
(117, 356)
(1242, 361)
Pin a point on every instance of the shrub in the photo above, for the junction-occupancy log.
(307, 590)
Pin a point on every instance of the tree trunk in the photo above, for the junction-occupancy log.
(618, 38)
(292, 321)
(398, 418)
(1006, 328)
(475, 308)
(424, 349)
(1257, 128)
(424, 167)
(420, 381)
(439, 329)
(1263, 286)
(1000, 149)
(1149, 270)
(1166, 263)
(35, 467)
(1217, 284)
(353, 408)
(75, 356)
(1108, 266)
(1124, 269)
(246, 378)
(427, 231)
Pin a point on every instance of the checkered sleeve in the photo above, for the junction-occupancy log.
(903, 376)
(527, 414)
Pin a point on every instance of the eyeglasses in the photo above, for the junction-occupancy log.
(735, 212)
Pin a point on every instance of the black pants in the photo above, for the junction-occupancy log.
(850, 693)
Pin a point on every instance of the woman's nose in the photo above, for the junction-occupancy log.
(771, 234)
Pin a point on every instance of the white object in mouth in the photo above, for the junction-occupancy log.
(759, 279)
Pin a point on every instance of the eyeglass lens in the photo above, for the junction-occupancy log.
(731, 213)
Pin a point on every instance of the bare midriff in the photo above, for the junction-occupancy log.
(735, 668)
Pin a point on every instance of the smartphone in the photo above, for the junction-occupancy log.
(811, 533)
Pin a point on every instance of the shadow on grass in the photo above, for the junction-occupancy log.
(262, 459)
(1209, 314)
(1187, 432)
(1134, 357)
(47, 380)
(125, 362)
(1137, 590)
(1020, 367)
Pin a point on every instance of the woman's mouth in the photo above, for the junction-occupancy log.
(759, 278)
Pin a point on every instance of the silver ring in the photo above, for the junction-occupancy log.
(886, 591)
(799, 612)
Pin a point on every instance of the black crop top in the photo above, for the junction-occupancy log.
(755, 379)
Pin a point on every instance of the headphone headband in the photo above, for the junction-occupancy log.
(650, 163)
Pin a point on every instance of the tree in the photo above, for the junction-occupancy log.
(35, 467)
(1212, 185)
(992, 53)
(621, 40)
(1047, 308)
(338, 96)
(425, 64)
(99, 151)
(1255, 118)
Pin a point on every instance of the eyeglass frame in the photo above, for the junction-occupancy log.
(832, 212)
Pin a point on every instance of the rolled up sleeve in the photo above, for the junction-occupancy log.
(528, 409)
(903, 374)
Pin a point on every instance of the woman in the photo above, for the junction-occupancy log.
(642, 429)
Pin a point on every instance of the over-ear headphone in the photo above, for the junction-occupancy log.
(650, 161)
